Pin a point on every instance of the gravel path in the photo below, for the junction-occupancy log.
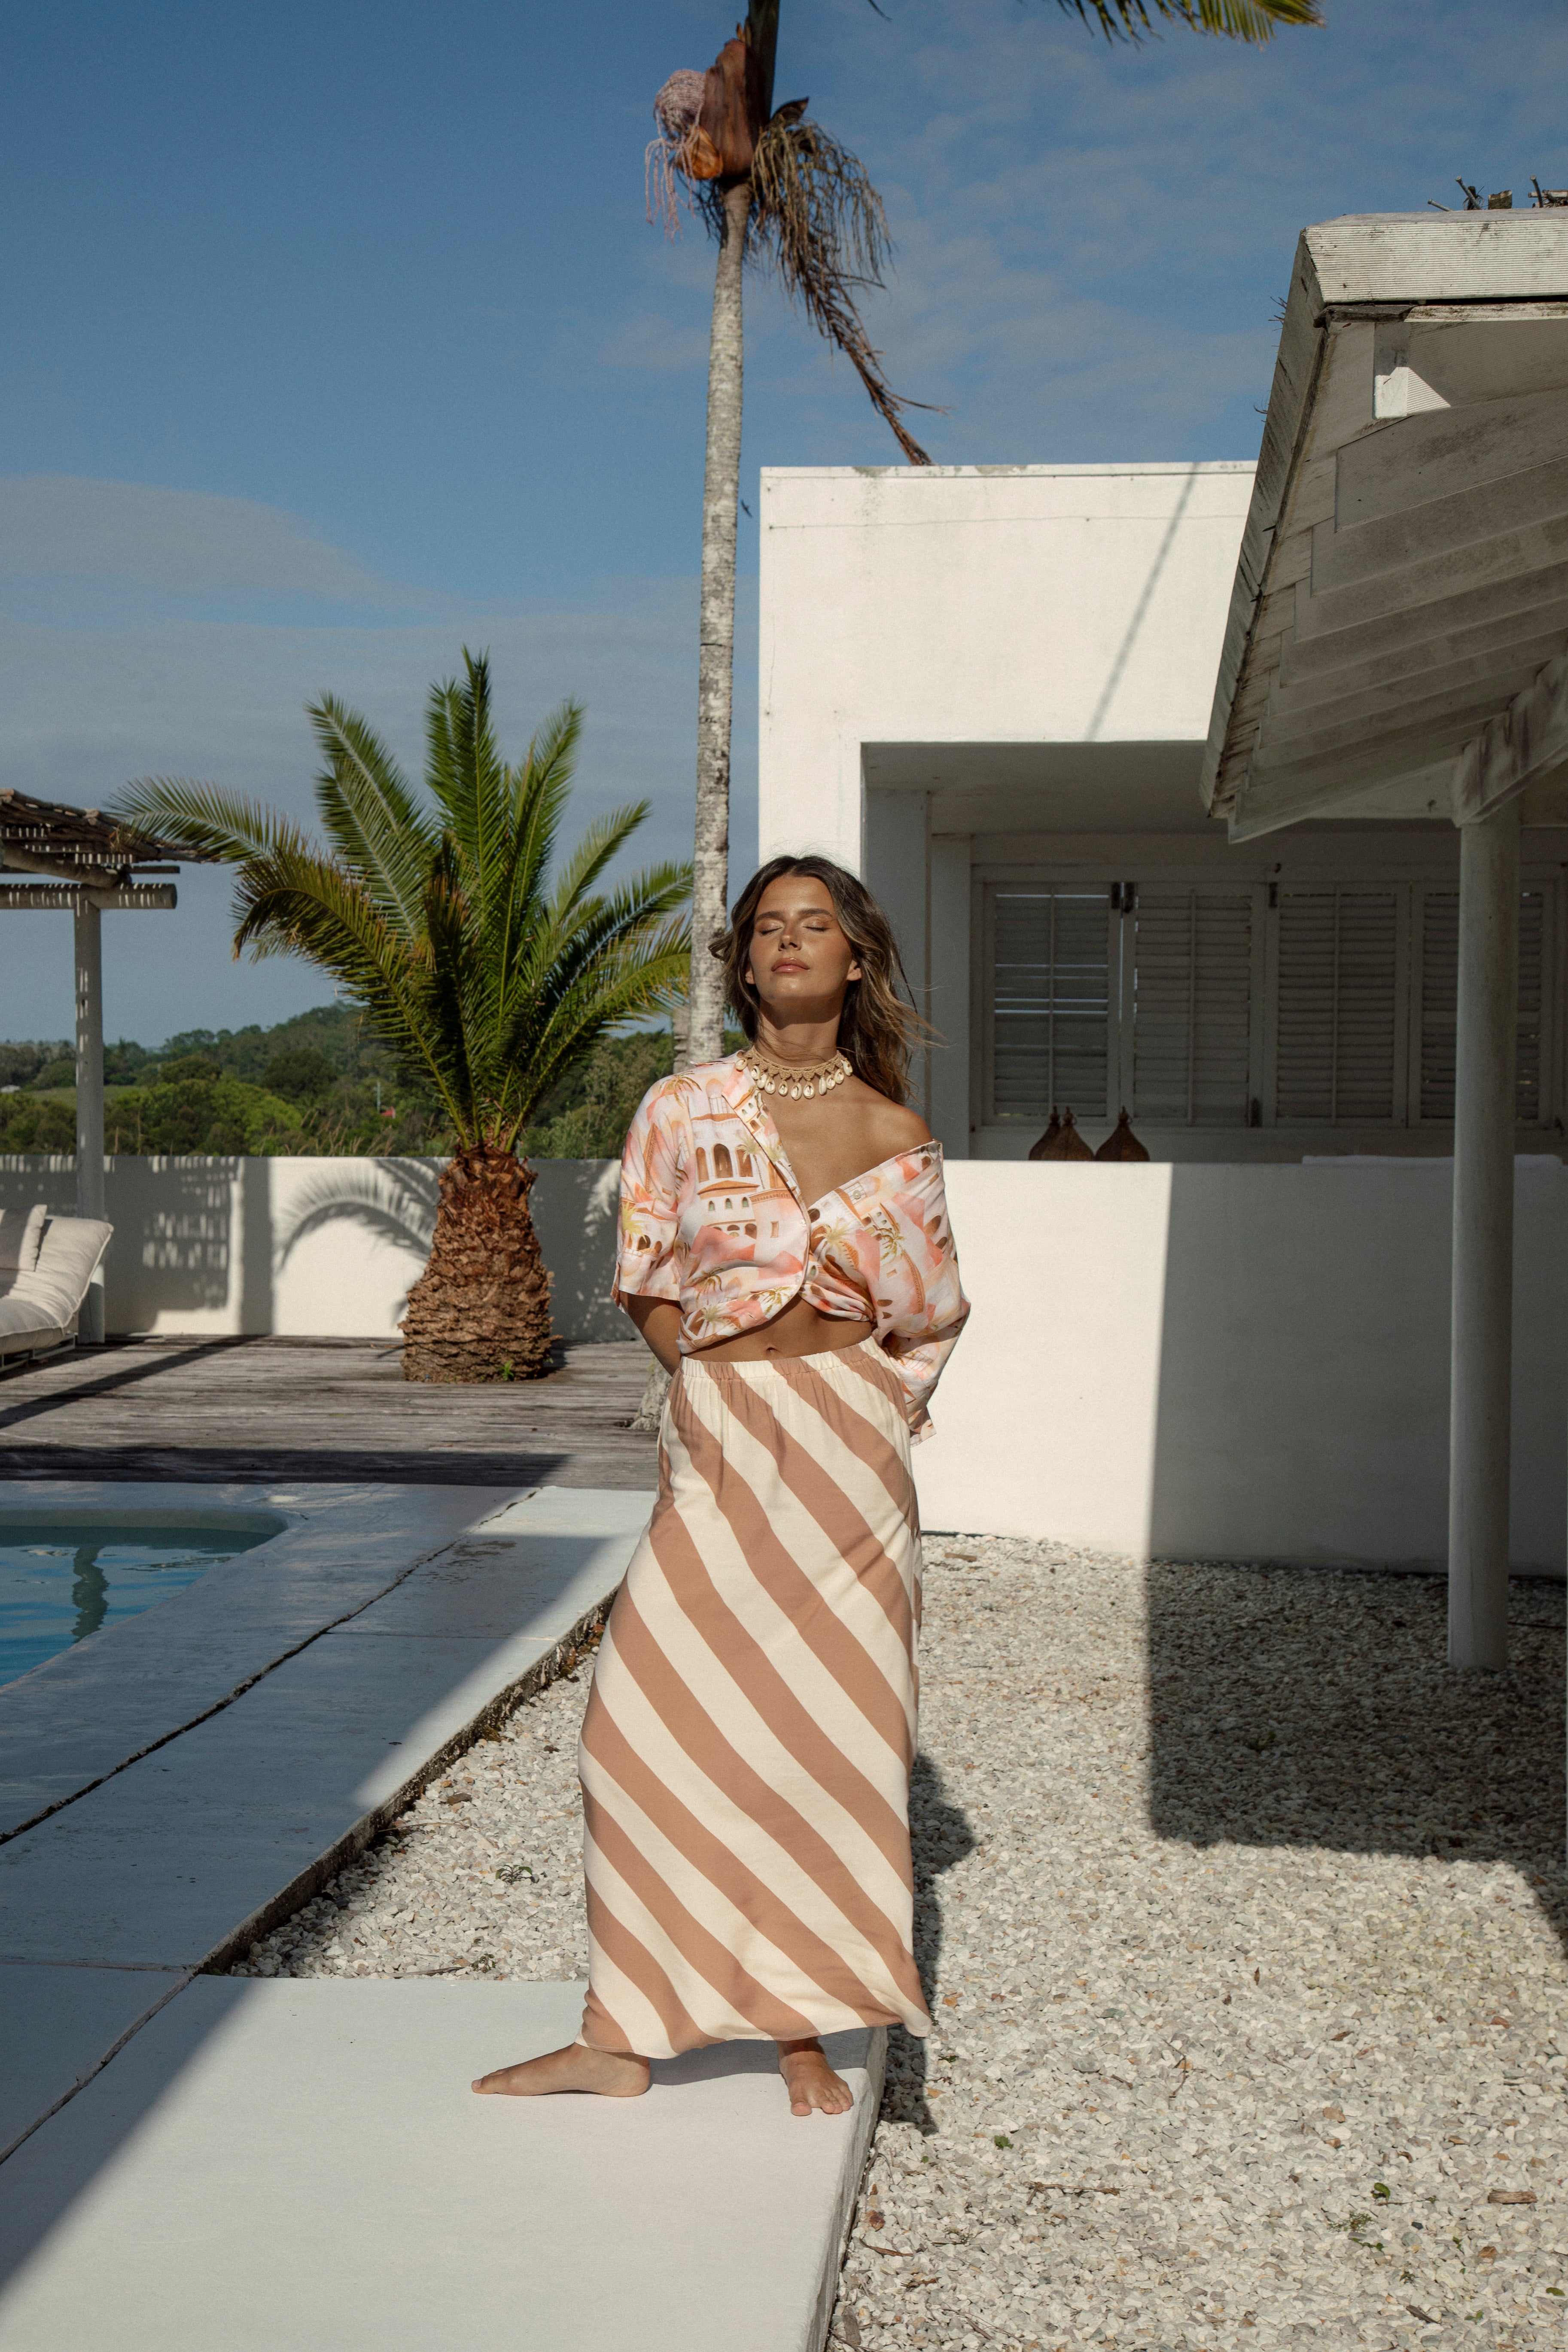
(1244, 1921)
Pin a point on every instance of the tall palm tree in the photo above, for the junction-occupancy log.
(775, 188)
(490, 966)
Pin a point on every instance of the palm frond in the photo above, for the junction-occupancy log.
(481, 960)
(296, 902)
(1233, 20)
(820, 222)
(368, 812)
(203, 818)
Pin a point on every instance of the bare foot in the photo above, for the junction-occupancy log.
(575, 2068)
(813, 2087)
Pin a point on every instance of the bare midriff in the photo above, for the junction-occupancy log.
(798, 1330)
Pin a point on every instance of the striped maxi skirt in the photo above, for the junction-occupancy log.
(746, 1751)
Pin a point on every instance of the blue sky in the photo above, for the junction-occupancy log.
(335, 339)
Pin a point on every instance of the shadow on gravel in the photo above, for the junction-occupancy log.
(1304, 1706)
(940, 1835)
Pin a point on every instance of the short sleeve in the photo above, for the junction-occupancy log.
(651, 1170)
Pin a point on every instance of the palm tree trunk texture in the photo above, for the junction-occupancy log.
(715, 655)
(481, 1310)
(715, 678)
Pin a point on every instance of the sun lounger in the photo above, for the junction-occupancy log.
(45, 1265)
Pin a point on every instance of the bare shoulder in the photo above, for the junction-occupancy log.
(892, 1126)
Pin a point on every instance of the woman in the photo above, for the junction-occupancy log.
(745, 1756)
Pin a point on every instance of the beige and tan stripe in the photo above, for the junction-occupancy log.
(746, 1752)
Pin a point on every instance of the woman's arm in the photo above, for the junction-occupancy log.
(659, 1322)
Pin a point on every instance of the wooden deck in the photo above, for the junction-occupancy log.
(321, 1409)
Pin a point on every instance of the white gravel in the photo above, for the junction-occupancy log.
(1243, 1917)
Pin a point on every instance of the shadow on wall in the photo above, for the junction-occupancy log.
(1302, 1402)
(174, 1240)
(174, 1230)
(1305, 1707)
(319, 1248)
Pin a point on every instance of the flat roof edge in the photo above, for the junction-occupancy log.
(983, 473)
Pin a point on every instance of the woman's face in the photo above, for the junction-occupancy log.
(799, 962)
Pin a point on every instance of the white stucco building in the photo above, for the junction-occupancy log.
(988, 689)
(1238, 797)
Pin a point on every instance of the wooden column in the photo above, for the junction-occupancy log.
(90, 1192)
(1480, 1397)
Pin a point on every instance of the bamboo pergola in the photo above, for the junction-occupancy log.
(81, 861)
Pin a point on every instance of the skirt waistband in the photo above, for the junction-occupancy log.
(762, 1366)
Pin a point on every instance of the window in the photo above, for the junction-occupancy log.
(1191, 1006)
(1439, 916)
(1324, 1006)
(1051, 961)
(1338, 1005)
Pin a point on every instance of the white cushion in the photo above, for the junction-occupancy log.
(41, 1306)
(21, 1231)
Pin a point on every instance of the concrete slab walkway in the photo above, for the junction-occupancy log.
(304, 2164)
(235, 1819)
(213, 2160)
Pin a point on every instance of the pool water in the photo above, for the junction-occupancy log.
(62, 1580)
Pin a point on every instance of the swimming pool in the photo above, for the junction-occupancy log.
(65, 1577)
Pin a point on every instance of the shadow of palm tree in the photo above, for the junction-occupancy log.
(940, 1835)
(395, 1200)
(1314, 1707)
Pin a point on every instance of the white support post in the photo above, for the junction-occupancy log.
(90, 1192)
(1484, 1116)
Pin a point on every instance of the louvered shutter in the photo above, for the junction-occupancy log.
(1338, 1013)
(1191, 1006)
(1439, 967)
(1439, 970)
(1051, 1002)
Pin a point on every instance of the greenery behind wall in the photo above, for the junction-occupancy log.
(316, 1083)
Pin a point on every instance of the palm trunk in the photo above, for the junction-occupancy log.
(715, 679)
(481, 1310)
(716, 654)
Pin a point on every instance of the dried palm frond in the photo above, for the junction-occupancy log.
(819, 221)
(1233, 20)
(677, 110)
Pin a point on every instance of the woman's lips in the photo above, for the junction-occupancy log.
(788, 963)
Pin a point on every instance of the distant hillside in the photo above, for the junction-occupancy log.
(312, 1084)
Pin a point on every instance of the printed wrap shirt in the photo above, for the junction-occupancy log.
(712, 1220)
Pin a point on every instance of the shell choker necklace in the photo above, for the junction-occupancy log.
(795, 1079)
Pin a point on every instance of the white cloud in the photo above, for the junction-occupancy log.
(190, 541)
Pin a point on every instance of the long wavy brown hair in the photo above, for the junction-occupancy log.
(879, 1028)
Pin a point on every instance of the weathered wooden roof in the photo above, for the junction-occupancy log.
(1402, 581)
(75, 845)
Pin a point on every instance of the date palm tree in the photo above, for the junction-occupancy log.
(778, 190)
(488, 963)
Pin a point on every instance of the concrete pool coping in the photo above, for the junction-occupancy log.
(72, 1722)
(174, 1860)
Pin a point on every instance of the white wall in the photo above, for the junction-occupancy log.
(319, 1248)
(1232, 1363)
(957, 604)
(1228, 1362)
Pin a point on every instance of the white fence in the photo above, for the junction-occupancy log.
(309, 1248)
(1220, 1362)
